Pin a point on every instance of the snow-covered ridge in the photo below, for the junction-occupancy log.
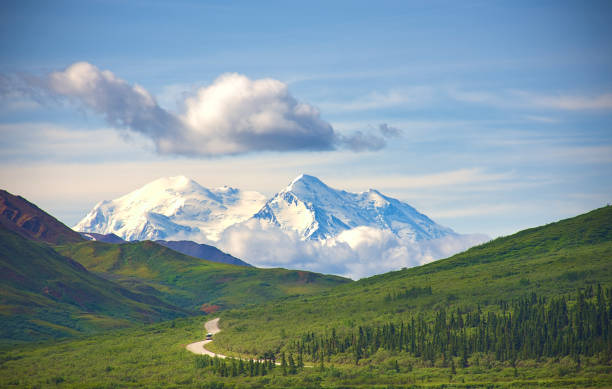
(178, 208)
(172, 208)
(315, 211)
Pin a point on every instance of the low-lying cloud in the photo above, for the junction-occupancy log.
(233, 115)
(356, 253)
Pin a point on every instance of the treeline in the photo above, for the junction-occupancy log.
(232, 367)
(413, 292)
(528, 328)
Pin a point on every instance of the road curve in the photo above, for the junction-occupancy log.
(212, 327)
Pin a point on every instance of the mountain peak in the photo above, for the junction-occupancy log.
(307, 185)
(316, 211)
(177, 183)
(306, 179)
(169, 208)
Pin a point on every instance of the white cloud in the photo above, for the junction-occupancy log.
(236, 115)
(233, 115)
(356, 253)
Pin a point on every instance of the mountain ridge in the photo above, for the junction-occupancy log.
(316, 211)
(178, 208)
(25, 218)
(172, 208)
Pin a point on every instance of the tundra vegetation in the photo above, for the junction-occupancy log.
(528, 310)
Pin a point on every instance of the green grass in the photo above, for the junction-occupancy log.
(153, 356)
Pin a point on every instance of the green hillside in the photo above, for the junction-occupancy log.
(46, 295)
(553, 260)
(189, 282)
(541, 300)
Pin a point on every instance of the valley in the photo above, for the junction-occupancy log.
(353, 334)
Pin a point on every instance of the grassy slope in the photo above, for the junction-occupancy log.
(46, 295)
(550, 260)
(191, 282)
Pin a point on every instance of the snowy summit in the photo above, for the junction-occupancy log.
(178, 208)
(172, 208)
(316, 211)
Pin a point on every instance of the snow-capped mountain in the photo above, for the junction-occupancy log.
(178, 208)
(316, 211)
(172, 208)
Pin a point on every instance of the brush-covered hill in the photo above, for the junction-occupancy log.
(21, 216)
(46, 295)
(550, 261)
(189, 282)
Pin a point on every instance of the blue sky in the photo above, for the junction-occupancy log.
(504, 108)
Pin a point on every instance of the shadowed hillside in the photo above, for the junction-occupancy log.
(19, 215)
(46, 295)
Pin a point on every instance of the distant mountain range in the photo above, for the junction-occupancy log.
(178, 208)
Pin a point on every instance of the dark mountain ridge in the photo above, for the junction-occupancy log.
(21, 216)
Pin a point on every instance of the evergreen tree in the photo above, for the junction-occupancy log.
(292, 367)
(283, 364)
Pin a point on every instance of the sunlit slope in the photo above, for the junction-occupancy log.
(46, 295)
(551, 260)
(191, 282)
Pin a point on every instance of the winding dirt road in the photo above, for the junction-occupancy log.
(212, 327)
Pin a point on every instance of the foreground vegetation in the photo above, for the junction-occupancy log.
(154, 357)
(553, 260)
(529, 310)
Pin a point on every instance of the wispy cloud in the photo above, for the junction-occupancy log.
(45, 142)
(513, 98)
(410, 97)
(566, 102)
(480, 210)
(427, 96)
(452, 178)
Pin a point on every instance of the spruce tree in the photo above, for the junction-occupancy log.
(283, 364)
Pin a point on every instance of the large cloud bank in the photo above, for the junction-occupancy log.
(233, 115)
(356, 253)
